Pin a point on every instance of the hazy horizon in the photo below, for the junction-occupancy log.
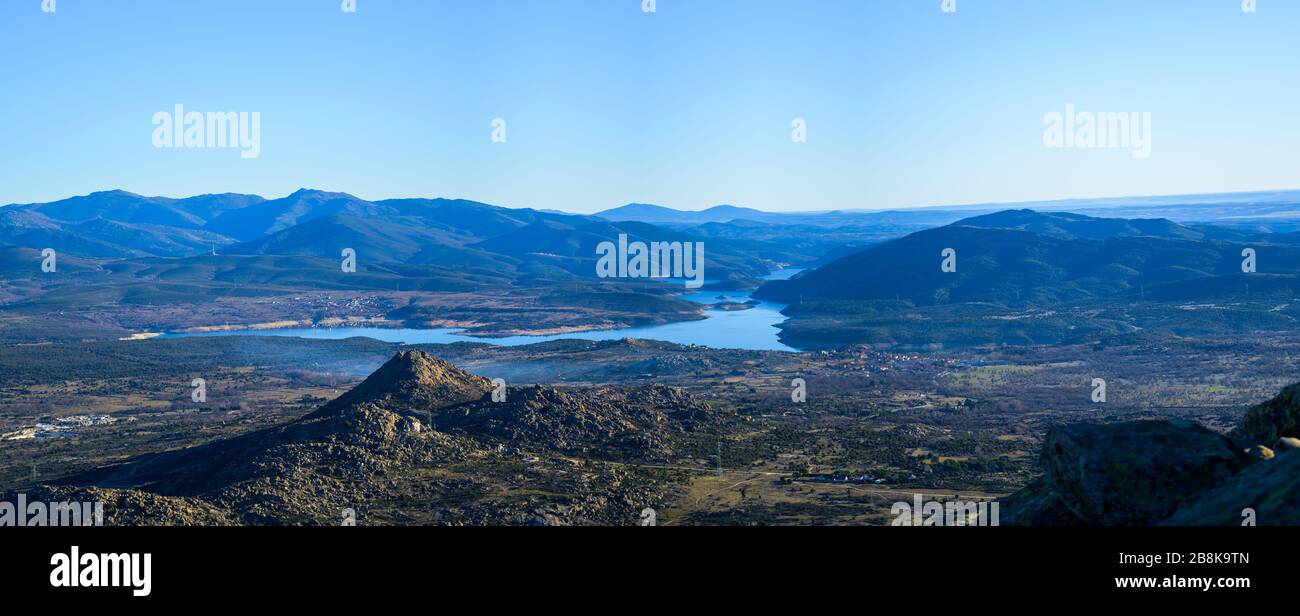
(954, 206)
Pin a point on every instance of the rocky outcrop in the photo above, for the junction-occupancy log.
(1265, 423)
(1123, 474)
(640, 422)
(1271, 489)
(136, 507)
(1168, 473)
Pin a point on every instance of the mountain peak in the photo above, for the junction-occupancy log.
(313, 192)
(116, 192)
(413, 380)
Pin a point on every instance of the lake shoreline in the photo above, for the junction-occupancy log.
(754, 328)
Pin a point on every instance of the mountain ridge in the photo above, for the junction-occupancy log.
(1022, 257)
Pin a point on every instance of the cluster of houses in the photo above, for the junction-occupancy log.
(63, 426)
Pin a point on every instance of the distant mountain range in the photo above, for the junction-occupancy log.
(1034, 256)
(730, 216)
(159, 226)
(1267, 208)
(311, 223)
(117, 224)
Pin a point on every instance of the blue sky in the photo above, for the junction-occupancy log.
(690, 106)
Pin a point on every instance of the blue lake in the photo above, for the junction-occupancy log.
(753, 329)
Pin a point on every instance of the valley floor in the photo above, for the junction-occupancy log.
(875, 428)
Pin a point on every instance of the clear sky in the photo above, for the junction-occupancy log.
(690, 106)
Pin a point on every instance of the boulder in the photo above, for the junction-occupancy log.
(1260, 452)
(1286, 444)
(1132, 473)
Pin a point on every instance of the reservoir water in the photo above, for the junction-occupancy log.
(752, 329)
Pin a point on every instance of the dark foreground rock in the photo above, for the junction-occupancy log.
(1169, 473)
(1270, 488)
(1265, 423)
(1123, 474)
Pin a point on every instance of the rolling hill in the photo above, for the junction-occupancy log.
(1027, 259)
(1024, 277)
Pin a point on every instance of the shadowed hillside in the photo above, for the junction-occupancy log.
(1026, 277)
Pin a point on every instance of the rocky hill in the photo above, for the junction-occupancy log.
(1169, 473)
(419, 435)
(606, 421)
(412, 381)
